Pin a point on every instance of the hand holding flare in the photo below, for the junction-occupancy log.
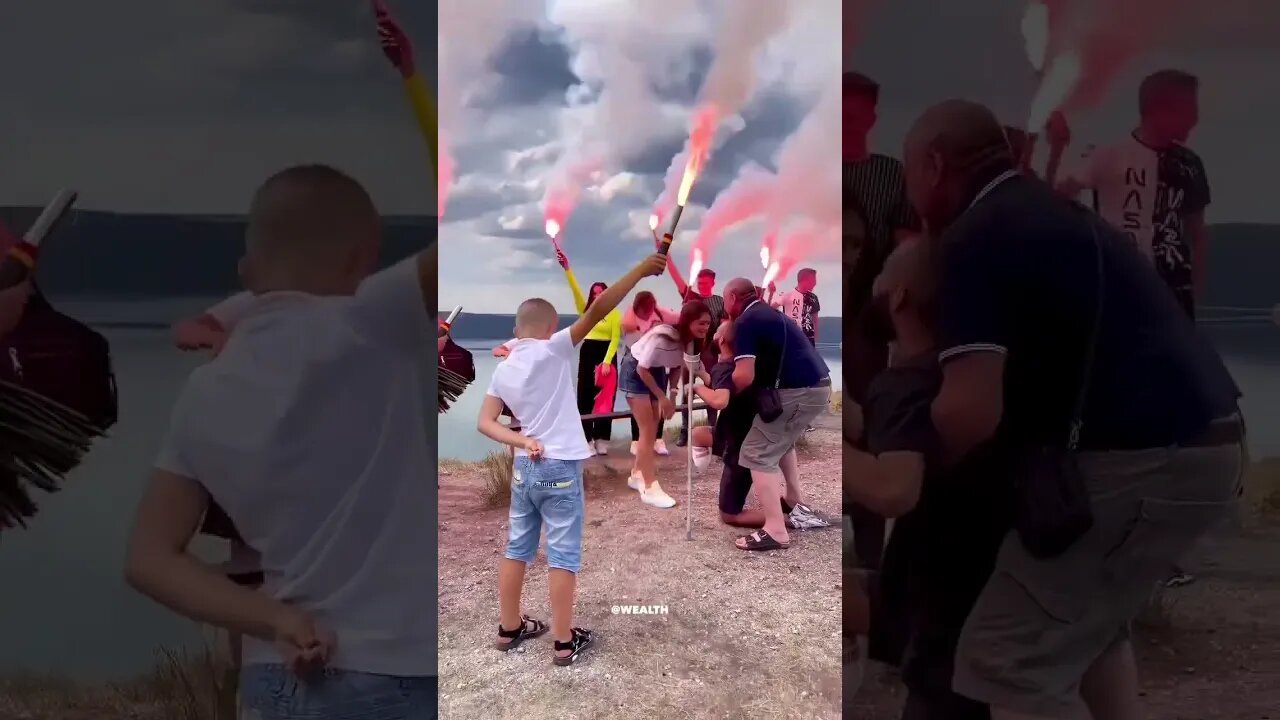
(399, 51)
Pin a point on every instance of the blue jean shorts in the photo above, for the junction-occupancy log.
(547, 492)
(629, 381)
(270, 692)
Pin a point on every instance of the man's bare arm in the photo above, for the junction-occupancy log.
(888, 484)
(970, 404)
(744, 373)
(159, 566)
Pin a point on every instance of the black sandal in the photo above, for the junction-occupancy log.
(760, 541)
(529, 629)
(581, 640)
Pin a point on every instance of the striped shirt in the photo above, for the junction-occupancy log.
(714, 303)
(876, 187)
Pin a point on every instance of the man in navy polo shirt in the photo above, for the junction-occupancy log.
(1022, 273)
(773, 352)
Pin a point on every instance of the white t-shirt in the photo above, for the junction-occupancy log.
(311, 429)
(538, 383)
(1123, 178)
(659, 316)
(660, 347)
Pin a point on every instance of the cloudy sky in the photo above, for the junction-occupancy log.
(974, 50)
(148, 106)
(599, 96)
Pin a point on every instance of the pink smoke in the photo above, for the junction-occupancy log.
(444, 178)
(742, 200)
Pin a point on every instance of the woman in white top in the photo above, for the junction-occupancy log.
(644, 315)
(643, 379)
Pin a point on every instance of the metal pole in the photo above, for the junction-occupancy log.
(691, 362)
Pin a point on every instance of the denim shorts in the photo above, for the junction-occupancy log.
(629, 381)
(270, 692)
(547, 492)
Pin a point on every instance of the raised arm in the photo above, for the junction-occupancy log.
(613, 295)
(682, 287)
(579, 300)
(399, 51)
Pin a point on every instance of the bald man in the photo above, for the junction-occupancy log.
(773, 354)
(310, 429)
(1057, 339)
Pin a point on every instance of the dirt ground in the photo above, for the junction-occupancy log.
(1213, 654)
(747, 635)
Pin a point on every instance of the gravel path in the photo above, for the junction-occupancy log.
(744, 636)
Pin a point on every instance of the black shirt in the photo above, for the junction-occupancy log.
(734, 422)
(941, 554)
(1019, 276)
(782, 352)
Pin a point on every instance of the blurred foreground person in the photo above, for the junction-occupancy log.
(1061, 346)
(309, 429)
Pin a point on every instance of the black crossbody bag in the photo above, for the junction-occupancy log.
(769, 400)
(1053, 505)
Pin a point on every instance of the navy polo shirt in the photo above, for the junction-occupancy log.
(759, 333)
(1019, 277)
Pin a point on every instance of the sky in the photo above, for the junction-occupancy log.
(148, 106)
(598, 96)
(973, 49)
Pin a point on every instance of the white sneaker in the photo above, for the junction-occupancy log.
(660, 447)
(602, 447)
(657, 497)
(635, 482)
(701, 458)
(633, 447)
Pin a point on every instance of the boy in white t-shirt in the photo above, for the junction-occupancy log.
(309, 429)
(537, 382)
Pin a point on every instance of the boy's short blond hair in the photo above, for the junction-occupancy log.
(535, 316)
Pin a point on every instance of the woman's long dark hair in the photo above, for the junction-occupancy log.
(592, 294)
(690, 313)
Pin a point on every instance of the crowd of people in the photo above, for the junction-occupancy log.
(753, 364)
(1030, 410)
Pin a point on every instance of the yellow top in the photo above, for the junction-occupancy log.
(424, 107)
(608, 329)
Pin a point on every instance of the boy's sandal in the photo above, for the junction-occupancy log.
(529, 629)
(581, 640)
(759, 541)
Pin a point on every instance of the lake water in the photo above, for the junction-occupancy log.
(459, 439)
(64, 605)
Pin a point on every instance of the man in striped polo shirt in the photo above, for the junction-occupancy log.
(875, 189)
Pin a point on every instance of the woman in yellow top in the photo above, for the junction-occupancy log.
(598, 350)
(397, 48)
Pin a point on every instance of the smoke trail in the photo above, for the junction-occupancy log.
(1110, 34)
(741, 33)
(620, 49)
(743, 199)
(806, 186)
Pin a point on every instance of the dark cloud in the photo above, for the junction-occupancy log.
(533, 67)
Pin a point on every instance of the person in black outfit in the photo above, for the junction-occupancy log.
(875, 190)
(950, 521)
(737, 411)
(1052, 327)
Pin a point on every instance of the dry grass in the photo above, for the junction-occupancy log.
(746, 636)
(1262, 488)
(182, 686)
